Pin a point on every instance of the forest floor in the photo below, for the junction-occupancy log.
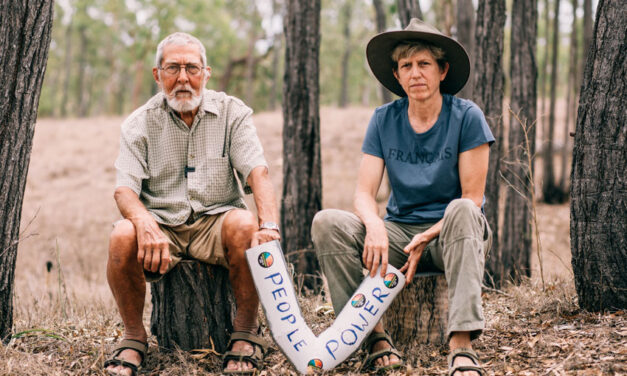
(65, 318)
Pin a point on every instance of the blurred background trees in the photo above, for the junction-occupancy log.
(529, 60)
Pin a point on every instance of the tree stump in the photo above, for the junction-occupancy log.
(192, 306)
(419, 314)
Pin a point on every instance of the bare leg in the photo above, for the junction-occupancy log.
(462, 339)
(237, 232)
(126, 280)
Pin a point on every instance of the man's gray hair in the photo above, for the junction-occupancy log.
(180, 39)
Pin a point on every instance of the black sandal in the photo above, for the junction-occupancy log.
(131, 344)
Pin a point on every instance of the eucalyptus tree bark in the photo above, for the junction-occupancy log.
(302, 181)
(571, 99)
(517, 236)
(380, 15)
(346, 26)
(466, 36)
(550, 191)
(598, 225)
(487, 84)
(24, 41)
(408, 9)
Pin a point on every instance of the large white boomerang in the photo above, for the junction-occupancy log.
(287, 325)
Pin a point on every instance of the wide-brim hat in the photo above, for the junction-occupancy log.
(379, 55)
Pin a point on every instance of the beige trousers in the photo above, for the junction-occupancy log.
(459, 252)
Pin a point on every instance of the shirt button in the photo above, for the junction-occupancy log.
(191, 156)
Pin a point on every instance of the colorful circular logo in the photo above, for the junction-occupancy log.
(358, 300)
(315, 364)
(390, 280)
(265, 259)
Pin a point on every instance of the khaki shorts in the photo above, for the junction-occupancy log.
(201, 240)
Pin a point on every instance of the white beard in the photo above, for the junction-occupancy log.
(183, 105)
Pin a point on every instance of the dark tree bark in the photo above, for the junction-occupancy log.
(193, 307)
(380, 15)
(466, 36)
(408, 9)
(571, 99)
(551, 193)
(516, 236)
(346, 26)
(598, 226)
(487, 84)
(418, 315)
(587, 29)
(302, 181)
(24, 41)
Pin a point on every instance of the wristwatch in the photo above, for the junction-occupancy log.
(270, 226)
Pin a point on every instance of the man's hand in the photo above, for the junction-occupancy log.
(152, 245)
(376, 248)
(414, 249)
(264, 236)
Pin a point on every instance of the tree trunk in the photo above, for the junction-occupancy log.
(544, 71)
(445, 17)
(466, 36)
(379, 11)
(67, 69)
(488, 94)
(24, 41)
(516, 236)
(598, 226)
(587, 30)
(550, 191)
(571, 98)
(346, 21)
(408, 9)
(81, 86)
(302, 181)
(419, 314)
(193, 307)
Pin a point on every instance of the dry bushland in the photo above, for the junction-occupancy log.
(66, 322)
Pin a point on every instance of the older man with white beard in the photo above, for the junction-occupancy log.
(179, 198)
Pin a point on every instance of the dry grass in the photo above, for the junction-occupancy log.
(66, 321)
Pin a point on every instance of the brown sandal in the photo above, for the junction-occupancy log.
(256, 358)
(131, 344)
(467, 353)
(369, 365)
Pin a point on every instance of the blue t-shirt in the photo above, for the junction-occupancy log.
(423, 167)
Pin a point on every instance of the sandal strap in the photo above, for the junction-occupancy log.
(119, 362)
(376, 337)
(131, 344)
(253, 339)
(256, 358)
(467, 353)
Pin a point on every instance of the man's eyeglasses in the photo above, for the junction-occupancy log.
(175, 69)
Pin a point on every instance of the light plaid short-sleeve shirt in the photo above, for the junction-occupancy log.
(178, 171)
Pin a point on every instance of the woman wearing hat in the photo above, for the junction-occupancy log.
(435, 148)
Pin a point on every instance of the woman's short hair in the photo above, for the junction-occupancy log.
(407, 49)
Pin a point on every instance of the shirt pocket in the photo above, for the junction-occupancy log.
(215, 181)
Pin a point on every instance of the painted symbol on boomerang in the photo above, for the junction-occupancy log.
(290, 331)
